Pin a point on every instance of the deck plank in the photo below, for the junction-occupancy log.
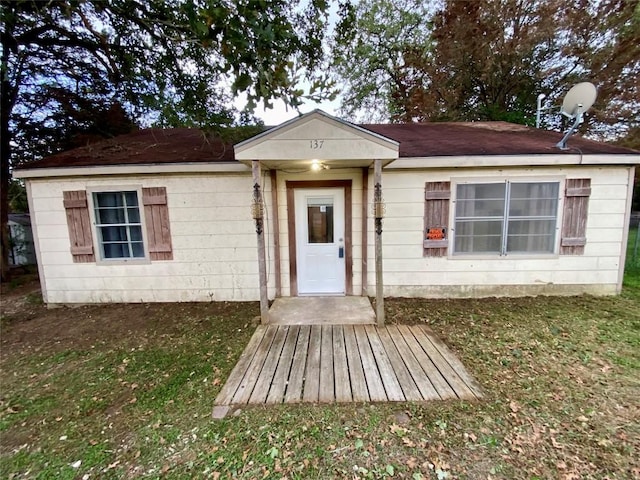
(371, 373)
(421, 379)
(237, 374)
(389, 379)
(312, 371)
(455, 362)
(456, 383)
(441, 385)
(340, 366)
(251, 377)
(281, 376)
(327, 391)
(293, 392)
(263, 384)
(354, 363)
(409, 388)
(343, 363)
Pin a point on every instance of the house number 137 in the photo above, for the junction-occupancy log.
(316, 144)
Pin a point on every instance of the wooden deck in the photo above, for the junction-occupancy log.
(346, 363)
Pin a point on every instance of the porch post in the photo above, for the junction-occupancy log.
(378, 213)
(258, 216)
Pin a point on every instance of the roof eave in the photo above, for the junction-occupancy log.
(131, 169)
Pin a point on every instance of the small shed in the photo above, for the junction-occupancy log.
(321, 206)
(21, 240)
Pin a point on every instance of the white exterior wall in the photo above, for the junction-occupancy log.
(215, 253)
(213, 236)
(408, 273)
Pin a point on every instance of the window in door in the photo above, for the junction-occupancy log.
(320, 220)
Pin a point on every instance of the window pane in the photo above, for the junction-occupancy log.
(320, 223)
(482, 200)
(532, 217)
(115, 250)
(131, 198)
(138, 249)
(478, 236)
(534, 199)
(114, 234)
(108, 199)
(532, 236)
(134, 215)
(136, 233)
(106, 216)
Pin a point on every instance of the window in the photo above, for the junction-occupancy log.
(118, 225)
(506, 218)
(320, 220)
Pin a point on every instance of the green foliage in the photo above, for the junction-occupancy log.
(18, 202)
(373, 47)
(69, 70)
(465, 61)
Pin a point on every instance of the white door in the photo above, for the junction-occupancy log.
(320, 248)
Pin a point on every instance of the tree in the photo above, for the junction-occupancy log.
(176, 62)
(489, 60)
(371, 49)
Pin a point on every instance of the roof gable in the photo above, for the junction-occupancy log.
(317, 135)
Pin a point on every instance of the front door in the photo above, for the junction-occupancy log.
(320, 246)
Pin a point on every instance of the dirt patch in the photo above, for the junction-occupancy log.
(30, 326)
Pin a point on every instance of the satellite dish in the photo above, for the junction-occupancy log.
(580, 97)
(576, 102)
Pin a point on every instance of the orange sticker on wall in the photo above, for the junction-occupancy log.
(436, 233)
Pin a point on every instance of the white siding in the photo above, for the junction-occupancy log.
(213, 236)
(214, 240)
(408, 273)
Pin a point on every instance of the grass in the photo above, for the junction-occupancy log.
(632, 267)
(560, 375)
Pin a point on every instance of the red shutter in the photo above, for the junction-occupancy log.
(79, 223)
(436, 218)
(156, 214)
(574, 217)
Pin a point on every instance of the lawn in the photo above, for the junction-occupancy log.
(126, 391)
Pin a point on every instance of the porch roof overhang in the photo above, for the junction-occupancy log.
(317, 136)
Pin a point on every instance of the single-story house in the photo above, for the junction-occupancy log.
(320, 206)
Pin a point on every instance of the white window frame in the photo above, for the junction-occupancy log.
(510, 179)
(97, 237)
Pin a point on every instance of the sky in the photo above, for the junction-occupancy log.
(280, 114)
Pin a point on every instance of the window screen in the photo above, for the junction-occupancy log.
(507, 217)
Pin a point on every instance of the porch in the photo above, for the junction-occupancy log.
(345, 363)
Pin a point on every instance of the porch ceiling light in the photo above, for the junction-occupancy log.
(317, 165)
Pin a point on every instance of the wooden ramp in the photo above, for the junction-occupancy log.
(346, 363)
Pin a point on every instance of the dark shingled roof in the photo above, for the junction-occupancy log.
(484, 138)
(149, 146)
(186, 145)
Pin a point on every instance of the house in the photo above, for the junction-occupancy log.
(320, 206)
(21, 240)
